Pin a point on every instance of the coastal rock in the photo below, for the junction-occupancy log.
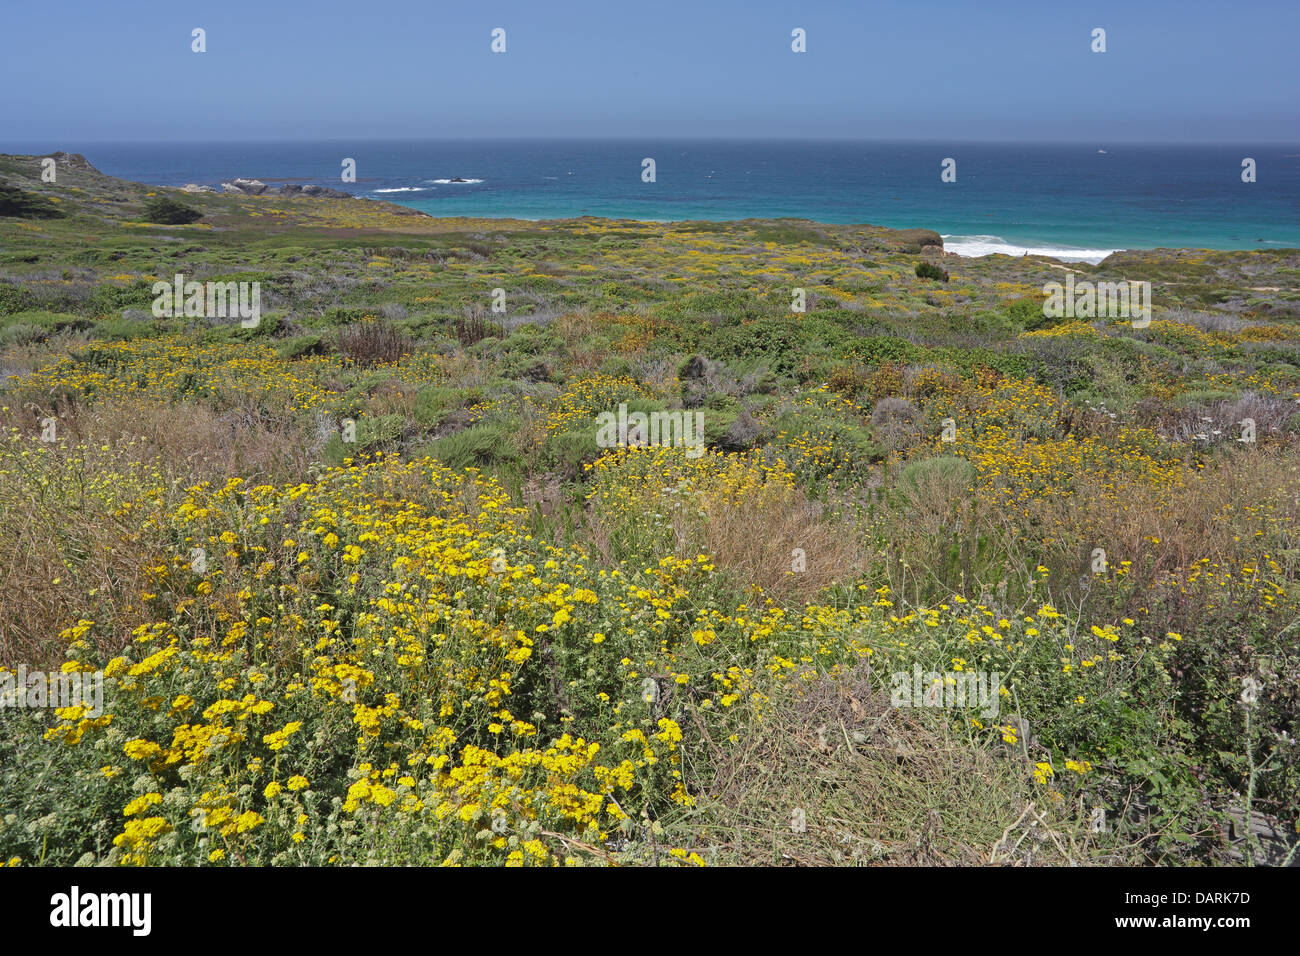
(72, 161)
(249, 187)
(196, 188)
(320, 192)
(914, 240)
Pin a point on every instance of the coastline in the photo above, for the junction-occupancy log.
(477, 201)
(1069, 201)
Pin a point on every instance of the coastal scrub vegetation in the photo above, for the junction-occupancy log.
(365, 585)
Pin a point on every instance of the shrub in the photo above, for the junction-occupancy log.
(820, 447)
(303, 346)
(848, 380)
(572, 450)
(1064, 364)
(928, 270)
(169, 212)
(477, 446)
(372, 434)
(785, 344)
(742, 433)
(470, 329)
(896, 421)
(433, 404)
(372, 343)
(14, 298)
(945, 472)
(24, 205)
(22, 334)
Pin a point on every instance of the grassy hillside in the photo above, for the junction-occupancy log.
(365, 587)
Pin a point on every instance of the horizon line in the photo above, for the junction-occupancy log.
(683, 138)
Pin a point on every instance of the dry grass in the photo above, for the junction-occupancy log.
(1269, 413)
(70, 551)
(577, 326)
(190, 442)
(66, 554)
(754, 543)
(942, 538)
(754, 540)
(391, 397)
(876, 785)
(1228, 512)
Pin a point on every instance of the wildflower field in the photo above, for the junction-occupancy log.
(365, 586)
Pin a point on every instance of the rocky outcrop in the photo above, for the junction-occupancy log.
(72, 161)
(248, 187)
(196, 188)
(321, 192)
(255, 187)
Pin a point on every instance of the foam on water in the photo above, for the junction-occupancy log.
(975, 246)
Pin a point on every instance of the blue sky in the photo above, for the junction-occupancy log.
(1175, 71)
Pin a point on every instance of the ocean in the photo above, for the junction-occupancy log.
(1075, 202)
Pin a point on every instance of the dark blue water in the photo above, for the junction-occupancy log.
(1077, 201)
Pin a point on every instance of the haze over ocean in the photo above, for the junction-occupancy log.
(1070, 200)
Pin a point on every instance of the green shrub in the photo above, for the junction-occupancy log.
(111, 300)
(1204, 396)
(822, 448)
(571, 450)
(372, 434)
(234, 331)
(303, 346)
(477, 446)
(169, 212)
(786, 345)
(1027, 313)
(22, 334)
(947, 470)
(617, 366)
(14, 298)
(24, 205)
(434, 403)
(121, 330)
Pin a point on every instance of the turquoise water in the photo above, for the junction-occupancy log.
(1074, 201)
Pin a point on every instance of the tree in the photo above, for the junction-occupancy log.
(169, 212)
